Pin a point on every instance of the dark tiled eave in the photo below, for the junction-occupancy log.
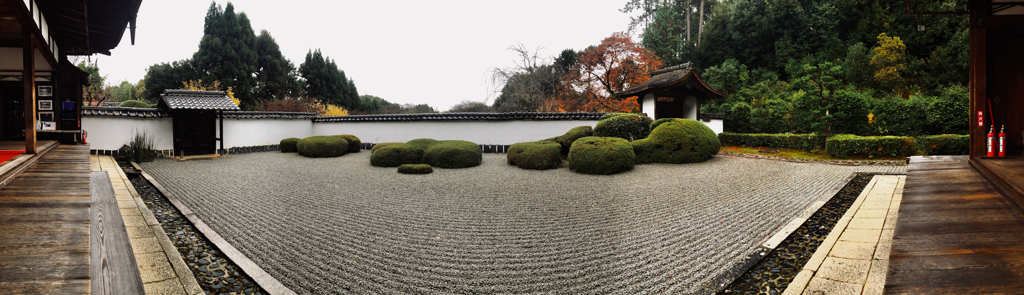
(268, 115)
(176, 99)
(712, 116)
(463, 117)
(124, 112)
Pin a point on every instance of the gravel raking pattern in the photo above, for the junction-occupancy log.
(339, 225)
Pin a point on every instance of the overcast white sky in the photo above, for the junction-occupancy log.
(433, 52)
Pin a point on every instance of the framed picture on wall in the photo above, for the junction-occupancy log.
(46, 116)
(45, 105)
(45, 91)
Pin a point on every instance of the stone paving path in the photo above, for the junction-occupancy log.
(854, 257)
(339, 225)
(162, 269)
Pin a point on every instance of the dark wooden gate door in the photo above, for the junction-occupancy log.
(195, 132)
(13, 113)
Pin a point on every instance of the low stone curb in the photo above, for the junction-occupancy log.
(822, 161)
(260, 276)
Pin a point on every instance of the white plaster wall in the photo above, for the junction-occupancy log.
(716, 125)
(110, 133)
(479, 132)
(251, 132)
(648, 103)
(690, 108)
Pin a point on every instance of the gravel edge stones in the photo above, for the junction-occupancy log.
(340, 225)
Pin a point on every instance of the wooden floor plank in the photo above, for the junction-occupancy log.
(111, 251)
(955, 233)
(44, 224)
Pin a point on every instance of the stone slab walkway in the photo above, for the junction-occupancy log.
(162, 269)
(854, 258)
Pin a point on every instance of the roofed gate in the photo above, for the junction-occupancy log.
(195, 116)
(673, 92)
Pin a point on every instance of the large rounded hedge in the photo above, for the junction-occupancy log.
(394, 155)
(415, 169)
(288, 145)
(452, 154)
(601, 155)
(566, 140)
(322, 146)
(383, 144)
(535, 155)
(625, 126)
(677, 141)
(423, 143)
(354, 144)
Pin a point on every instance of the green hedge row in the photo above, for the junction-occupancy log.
(288, 145)
(805, 142)
(851, 145)
(846, 146)
(322, 146)
(415, 169)
(535, 155)
(946, 144)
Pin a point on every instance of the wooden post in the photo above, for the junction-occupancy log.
(978, 84)
(221, 112)
(29, 77)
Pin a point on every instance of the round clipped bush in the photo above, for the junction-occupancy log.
(288, 145)
(660, 121)
(677, 141)
(535, 155)
(383, 144)
(321, 146)
(626, 126)
(415, 169)
(423, 143)
(394, 155)
(601, 155)
(134, 104)
(354, 145)
(453, 154)
(566, 140)
(609, 115)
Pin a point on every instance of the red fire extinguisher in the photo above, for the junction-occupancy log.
(84, 135)
(991, 140)
(1002, 141)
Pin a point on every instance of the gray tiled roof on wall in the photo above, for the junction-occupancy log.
(268, 115)
(462, 117)
(124, 112)
(176, 99)
(712, 116)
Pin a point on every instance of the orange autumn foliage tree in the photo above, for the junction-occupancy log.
(614, 65)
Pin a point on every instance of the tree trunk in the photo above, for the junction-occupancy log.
(688, 20)
(700, 23)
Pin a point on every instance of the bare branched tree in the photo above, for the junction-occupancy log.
(524, 86)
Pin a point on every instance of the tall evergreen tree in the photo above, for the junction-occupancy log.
(227, 52)
(324, 81)
(275, 77)
(167, 76)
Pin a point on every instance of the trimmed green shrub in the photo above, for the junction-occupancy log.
(946, 144)
(452, 154)
(415, 169)
(660, 121)
(845, 146)
(288, 145)
(383, 144)
(535, 155)
(806, 142)
(566, 140)
(610, 115)
(601, 155)
(423, 143)
(626, 126)
(677, 141)
(321, 146)
(135, 104)
(354, 145)
(395, 154)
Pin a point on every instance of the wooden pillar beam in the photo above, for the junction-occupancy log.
(978, 84)
(29, 78)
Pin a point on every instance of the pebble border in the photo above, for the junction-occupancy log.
(260, 276)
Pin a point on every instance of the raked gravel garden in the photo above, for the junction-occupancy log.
(340, 225)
